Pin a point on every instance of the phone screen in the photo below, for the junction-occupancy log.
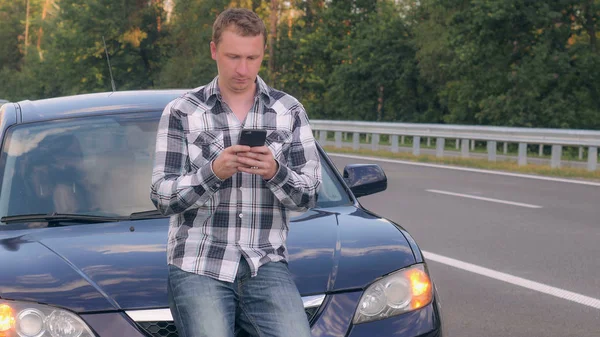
(253, 137)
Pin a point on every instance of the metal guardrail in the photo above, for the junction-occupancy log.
(557, 138)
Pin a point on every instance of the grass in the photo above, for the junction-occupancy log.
(543, 170)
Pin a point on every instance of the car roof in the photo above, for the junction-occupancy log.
(97, 104)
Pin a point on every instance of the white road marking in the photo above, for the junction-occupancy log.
(539, 287)
(485, 199)
(517, 175)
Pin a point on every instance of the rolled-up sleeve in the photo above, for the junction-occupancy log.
(175, 187)
(296, 184)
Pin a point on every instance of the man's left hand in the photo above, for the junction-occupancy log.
(259, 160)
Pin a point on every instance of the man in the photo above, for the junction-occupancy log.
(229, 203)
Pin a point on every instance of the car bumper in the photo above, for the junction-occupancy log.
(334, 318)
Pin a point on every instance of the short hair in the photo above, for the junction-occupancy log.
(244, 21)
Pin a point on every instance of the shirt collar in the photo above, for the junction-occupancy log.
(212, 93)
(263, 89)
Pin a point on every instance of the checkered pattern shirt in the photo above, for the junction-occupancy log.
(215, 222)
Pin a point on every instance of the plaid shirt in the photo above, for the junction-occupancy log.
(214, 222)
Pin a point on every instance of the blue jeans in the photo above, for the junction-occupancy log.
(266, 305)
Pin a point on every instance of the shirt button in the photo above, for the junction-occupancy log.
(241, 215)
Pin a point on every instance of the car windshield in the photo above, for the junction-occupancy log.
(92, 166)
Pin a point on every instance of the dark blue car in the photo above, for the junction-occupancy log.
(82, 249)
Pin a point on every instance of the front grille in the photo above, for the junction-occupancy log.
(159, 329)
(168, 329)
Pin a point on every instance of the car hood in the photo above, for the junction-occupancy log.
(111, 266)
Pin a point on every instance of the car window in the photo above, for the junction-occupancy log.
(99, 166)
(92, 165)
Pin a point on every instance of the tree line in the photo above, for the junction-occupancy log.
(487, 62)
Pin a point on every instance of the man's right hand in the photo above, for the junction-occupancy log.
(227, 163)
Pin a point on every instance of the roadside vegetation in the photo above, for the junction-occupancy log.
(427, 61)
(478, 163)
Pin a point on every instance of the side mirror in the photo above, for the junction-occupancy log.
(365, 179)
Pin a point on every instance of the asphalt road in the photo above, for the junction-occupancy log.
(511, 256)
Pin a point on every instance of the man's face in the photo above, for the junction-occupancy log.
(238, 60)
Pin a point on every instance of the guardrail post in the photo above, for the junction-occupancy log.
(541, 150)
(505, 148)
(491, 150)
(394, 143)
(439, 147)
(338, 139)
(522, 154)
(465, 148)
(355, 140)
(580, 153)
(556, 156)
(428, 141)
(402, 140)
(322, 137)
(472, 144)
(416, 145)
(375, 142)
(592, 158)
(457, 142)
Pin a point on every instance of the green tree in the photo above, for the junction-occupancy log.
(188, 62)
(131, 31)
(299, 65)
(71, 58)
(12, 13)
(378, 78)
(307, 60)
(512, 62)
(21, 34)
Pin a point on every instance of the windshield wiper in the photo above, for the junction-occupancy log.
(58, 218)
(151, 214)
(55, 218)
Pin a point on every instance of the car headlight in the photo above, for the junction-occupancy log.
(402, 291)
(22, 319)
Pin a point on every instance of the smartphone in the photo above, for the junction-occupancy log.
(253, 137)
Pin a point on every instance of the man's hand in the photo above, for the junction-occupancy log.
(227, 163)
(259, 160)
